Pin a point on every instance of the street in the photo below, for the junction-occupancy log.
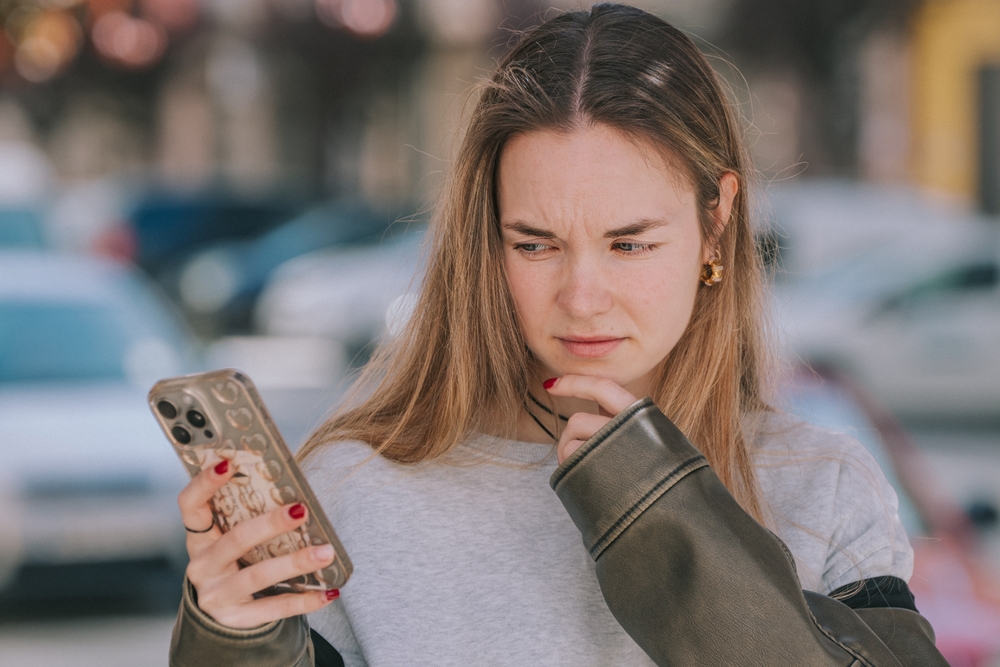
(87, 642)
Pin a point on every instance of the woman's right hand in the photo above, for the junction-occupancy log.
(225, 592)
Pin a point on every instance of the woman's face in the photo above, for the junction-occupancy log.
(602, 249)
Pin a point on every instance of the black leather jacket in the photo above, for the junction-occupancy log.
(691, 577)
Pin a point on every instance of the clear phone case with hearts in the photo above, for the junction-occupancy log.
(219, 415)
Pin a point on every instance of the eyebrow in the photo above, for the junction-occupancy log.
(527, 230)
(635, 228)
(632, 229)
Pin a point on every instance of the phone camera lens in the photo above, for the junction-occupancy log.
(208, 434)
(196, 419)
(167, 409)
(181, 434)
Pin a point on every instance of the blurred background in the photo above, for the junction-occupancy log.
(192, 184)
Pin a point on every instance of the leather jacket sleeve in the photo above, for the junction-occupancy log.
(694, 579)
(199, 641)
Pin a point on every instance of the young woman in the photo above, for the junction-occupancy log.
(594, 246)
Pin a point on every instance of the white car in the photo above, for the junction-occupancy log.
(811, 225)
(351, 295)
(95, 481)
(915, 320)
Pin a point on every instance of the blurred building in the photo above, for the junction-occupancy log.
(324, 98)
(956, 98)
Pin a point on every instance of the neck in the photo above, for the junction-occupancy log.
(529, 431)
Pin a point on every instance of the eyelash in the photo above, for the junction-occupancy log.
(642, 248)
(639, 248)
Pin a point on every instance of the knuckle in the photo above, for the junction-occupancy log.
(258, 577)
(193, 572)
(184, 498)
(280, 519)
(245, 534)
(302, 561)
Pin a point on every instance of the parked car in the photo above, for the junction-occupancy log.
(21, 227)
(915, 320)
(810, 225)
(351, 295)
(170, 227)
(954, 588)
(219, 284)
(81, 341)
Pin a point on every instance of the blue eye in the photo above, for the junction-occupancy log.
(630, 248)
(531, 248)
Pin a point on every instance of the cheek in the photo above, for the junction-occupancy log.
(527, 290)
(664, 308)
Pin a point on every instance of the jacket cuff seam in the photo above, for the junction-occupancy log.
(595, 440)
(647, 499)
(209, 624)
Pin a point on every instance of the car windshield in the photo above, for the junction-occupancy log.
(60, 341)
(20, 229)
(119, 332)
(889, 268)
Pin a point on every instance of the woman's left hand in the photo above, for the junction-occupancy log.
(609, 396)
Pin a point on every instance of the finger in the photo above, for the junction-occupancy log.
(580, 428)
(608, 394)
(272, 608)
(269, 572)
(193, 500)
(246, 535)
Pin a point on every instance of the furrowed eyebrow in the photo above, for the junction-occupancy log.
(635, 228)
(527, 230)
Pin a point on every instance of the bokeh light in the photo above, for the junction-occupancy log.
(365, 18)
(49, 41)
(99, 8)
(128, 41)
(6, 52)
(173, 15)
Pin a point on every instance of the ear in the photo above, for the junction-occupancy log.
(729, 185)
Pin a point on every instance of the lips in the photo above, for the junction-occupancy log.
(590, 348)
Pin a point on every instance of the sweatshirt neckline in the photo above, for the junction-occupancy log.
(493, 447)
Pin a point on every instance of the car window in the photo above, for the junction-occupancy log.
(969, 279)
(20, 229)
(41, 341)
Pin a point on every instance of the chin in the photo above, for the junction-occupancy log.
(607, 367)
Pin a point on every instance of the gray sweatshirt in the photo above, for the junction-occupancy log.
(474, 561)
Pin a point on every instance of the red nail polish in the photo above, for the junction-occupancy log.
(551, 382)
(221, 468)
(297, 511)
(332, 594)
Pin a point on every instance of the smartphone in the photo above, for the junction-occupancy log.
(218, 415)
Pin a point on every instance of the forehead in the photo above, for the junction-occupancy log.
(591, 174)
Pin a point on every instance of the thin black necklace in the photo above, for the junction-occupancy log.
(546, 408)
(539, 422)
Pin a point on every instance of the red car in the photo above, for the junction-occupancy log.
(955, 588)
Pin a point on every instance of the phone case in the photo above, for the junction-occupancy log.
(219, 415)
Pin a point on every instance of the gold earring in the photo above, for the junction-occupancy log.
(711, 273)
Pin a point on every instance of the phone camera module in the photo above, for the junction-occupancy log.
(196, 419)
(181, 434)
(167, 409)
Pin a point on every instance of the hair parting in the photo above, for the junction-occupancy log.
(461, 366)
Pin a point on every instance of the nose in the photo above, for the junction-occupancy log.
(584, 290)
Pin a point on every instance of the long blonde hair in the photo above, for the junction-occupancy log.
(461, 366)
